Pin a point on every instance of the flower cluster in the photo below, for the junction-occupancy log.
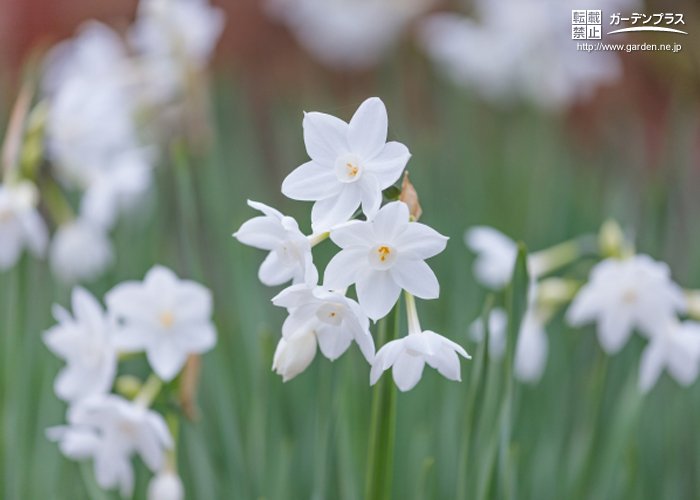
(381, 253)
(163, 316)
(521, 49)
(625, 292)
(104, 101)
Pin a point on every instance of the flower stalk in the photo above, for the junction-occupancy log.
(150, 390)
(382, 432)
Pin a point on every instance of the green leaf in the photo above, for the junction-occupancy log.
(516, 300)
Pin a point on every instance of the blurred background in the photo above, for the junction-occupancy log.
(517, 149)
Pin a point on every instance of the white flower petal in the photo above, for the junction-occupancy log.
(614, 329)
(386, 357)
(584, 307)
(391, 220)
(310, 182)
(531, 350)
(166, 359)
(377, 292)
(416, 277)
(388, 165)
(421, 241)
(407, 371)
(275, 271)
(344, 268)
(195, 338)
(651, 366)
(371, 195)
(11, 248)
(368, 128)
(354, 233)
(330, 212)
(446, 362)
(333, 341)
(261, 232)
(325, 137)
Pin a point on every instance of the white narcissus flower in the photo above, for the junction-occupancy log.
(504, 58)
(622, 295)
(172, 39)
(120, 188)
(84, 341)
(294, 353)
(531, 348)
(496, 255)
(91, 106)
(184, 31)
(676, 347)
(290, 251)
(350, 165)
(409, 354)
(164, 316)
(383, 256)
(166, 486)
(20, 223)
(335, 319)
(109, 430)
(80, 251)
(347, 34)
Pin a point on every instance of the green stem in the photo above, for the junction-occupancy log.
(315, 239)
(149, 391)
(383, 424)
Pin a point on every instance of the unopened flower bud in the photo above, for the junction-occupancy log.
(294, 354)
(166, 486)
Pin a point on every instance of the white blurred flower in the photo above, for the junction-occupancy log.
(350, 164)
(532, 346)
(498, 324)
(295, 352)
(80, 251)
(20, 223)
(84, 341)
(335, 319)
(109, 430)
(172, 38)
(166, 485)
(622, 295)
(96, 51)
(496, 255)
(347, 34)
(675, 347)
(290, 251)
(521, 49)
(91, 105)
(409, 354)
(117, 189)
(164, 316)
(383, 256)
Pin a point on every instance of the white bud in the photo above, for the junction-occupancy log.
(294, 354)
(166, 486)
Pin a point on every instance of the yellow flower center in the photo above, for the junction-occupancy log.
(167, 319)
(384, 252)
